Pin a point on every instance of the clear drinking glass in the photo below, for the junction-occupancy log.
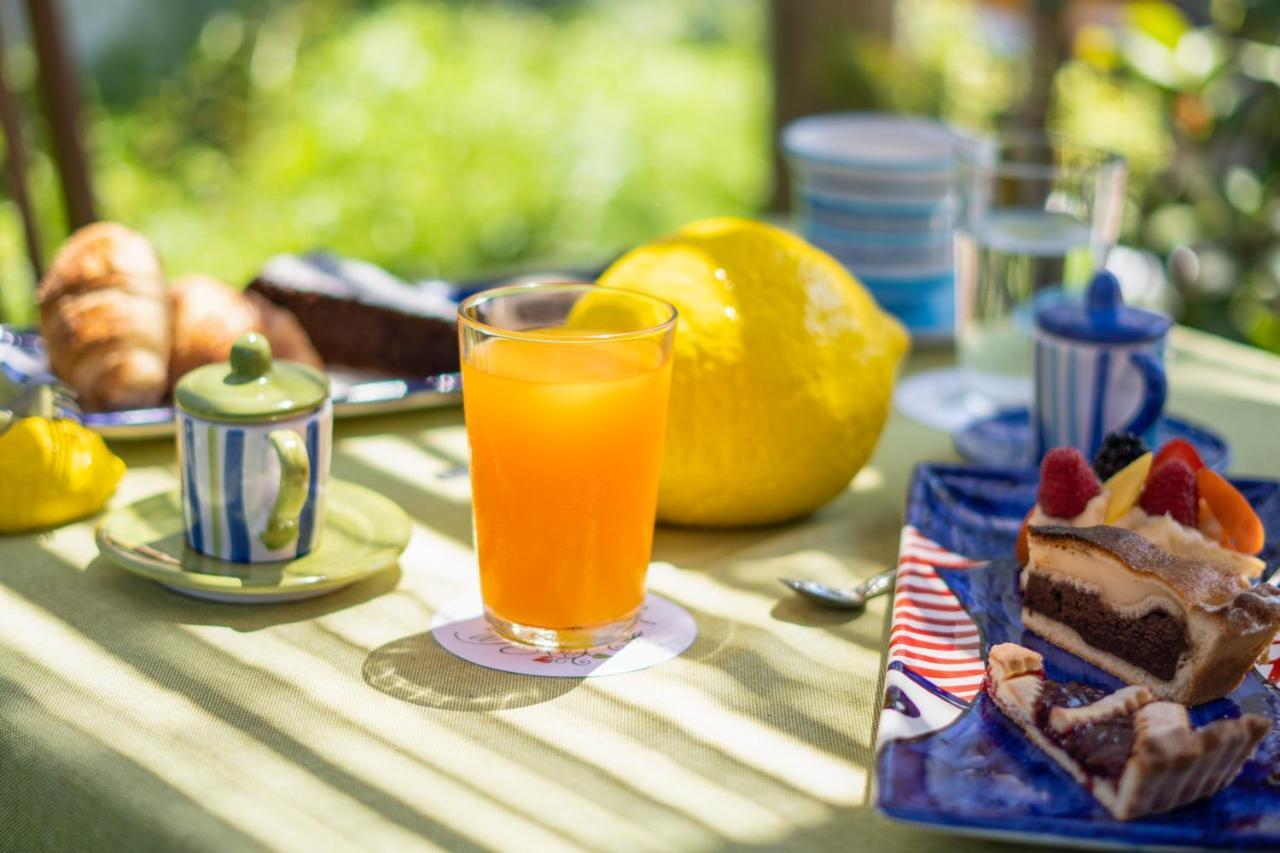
(565, 388)
(1038, 216)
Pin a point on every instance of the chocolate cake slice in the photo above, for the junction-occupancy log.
(1135, 755)
(361, 316)
(1187, 629)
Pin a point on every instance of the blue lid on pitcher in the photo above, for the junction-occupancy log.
(1102, 317)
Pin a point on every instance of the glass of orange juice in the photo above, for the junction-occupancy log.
(565, 388)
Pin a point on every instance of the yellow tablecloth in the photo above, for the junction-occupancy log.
(132, 718)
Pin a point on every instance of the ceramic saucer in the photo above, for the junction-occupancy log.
(1003, 440)
(363, 533)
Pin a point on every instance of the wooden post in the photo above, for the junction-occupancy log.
(15, 164)
(62, 106)
(807, 38)
(1048, 49)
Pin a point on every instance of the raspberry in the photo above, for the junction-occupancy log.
(1118, 450)
(1171, 488)
(1067, 483)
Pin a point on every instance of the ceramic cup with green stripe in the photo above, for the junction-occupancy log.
(254, 444)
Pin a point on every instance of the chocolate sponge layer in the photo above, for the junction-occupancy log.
(1155, 641)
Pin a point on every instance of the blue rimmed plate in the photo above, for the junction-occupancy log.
(947, 759)
(355, 393)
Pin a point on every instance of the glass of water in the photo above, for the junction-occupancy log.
(1037, 217)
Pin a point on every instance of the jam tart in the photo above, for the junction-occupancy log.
(1136, 755)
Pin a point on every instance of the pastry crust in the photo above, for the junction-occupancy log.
(1122, 703)
(1007, 661)
(1196, 582)
(1169, 764)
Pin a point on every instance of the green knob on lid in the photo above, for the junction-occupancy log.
(251, 387)
(250, 358)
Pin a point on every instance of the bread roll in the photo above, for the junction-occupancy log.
(209, 315)
(104, 315)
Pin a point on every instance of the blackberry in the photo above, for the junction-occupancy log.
(1118, 450)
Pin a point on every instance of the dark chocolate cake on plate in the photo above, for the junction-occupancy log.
(359, 315)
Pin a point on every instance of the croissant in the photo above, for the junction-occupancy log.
(209, 315)
(104, 315)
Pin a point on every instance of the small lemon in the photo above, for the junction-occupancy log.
(783, 377)
(52, 472)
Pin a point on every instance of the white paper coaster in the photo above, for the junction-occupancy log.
(665, 630)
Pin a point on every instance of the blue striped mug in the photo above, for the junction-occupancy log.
(1099, 368)
(254, 447)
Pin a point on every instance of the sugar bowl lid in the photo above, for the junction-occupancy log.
(251, 386)
(1102, 317)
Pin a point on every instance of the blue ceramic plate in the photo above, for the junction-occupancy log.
(1003, 440)
(355, 393)
(22, 359)
(947, 759)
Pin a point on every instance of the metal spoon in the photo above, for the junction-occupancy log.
(842, 599)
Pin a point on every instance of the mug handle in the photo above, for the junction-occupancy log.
(1152, 371)
(295, 476)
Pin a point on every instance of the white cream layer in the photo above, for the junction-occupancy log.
(1094, 513)
(1161, 530)
(1131, 593)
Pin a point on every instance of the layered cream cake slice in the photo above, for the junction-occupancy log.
(1183, 507)
(1187, 629)
(1135, 755)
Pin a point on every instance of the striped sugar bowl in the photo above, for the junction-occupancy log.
(231, 483)
(1099, 368)
(254, 447)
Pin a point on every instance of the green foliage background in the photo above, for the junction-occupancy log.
(430, 137)
(441, 137)
(1191, 98)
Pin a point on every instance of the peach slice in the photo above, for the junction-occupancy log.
(1208, 524)
(1240, 524)
(1020, 550)
(1124, 486)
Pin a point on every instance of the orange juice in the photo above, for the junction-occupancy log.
(566, 441)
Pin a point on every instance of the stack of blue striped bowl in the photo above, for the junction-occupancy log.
(877, 192)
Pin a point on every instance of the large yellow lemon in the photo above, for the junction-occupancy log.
(783, 377)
